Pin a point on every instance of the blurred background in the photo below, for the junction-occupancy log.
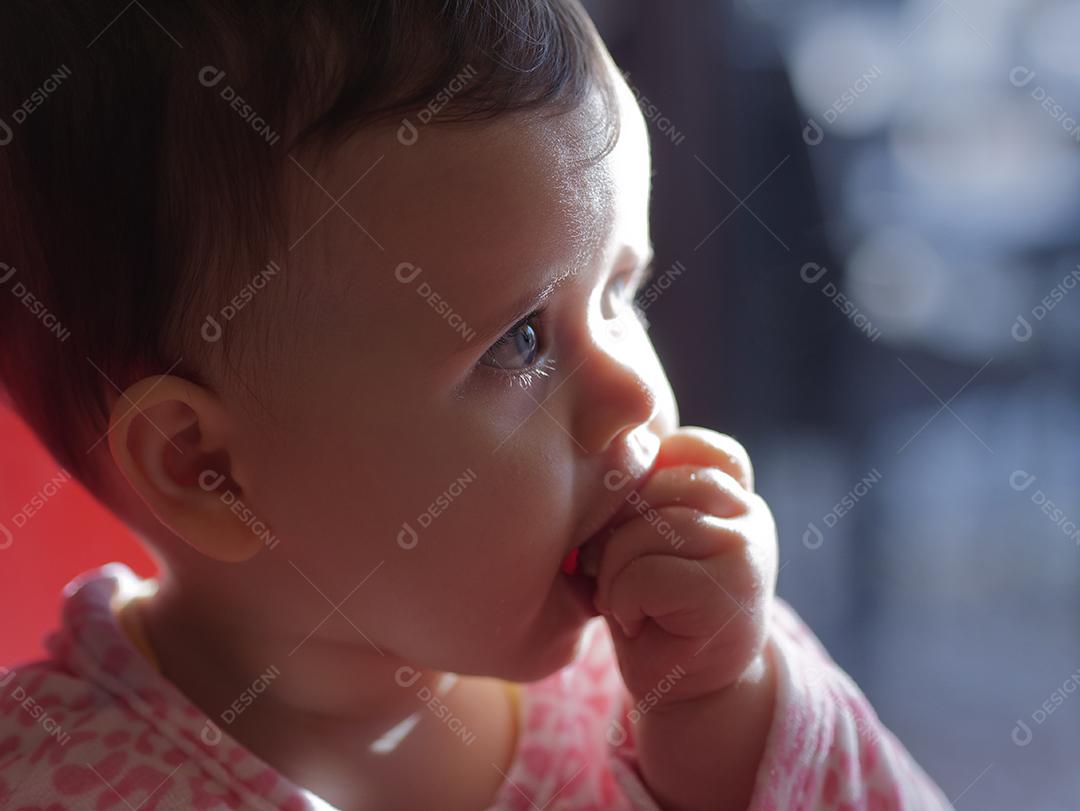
(870, 215)
(867, 218)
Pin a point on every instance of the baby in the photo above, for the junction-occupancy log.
(347, 293)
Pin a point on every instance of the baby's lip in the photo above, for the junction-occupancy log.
(584, 557)
(620, 484)
(592, 552)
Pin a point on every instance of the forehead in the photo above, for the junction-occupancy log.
(487, 209)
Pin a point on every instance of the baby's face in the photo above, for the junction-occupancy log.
(432, 444)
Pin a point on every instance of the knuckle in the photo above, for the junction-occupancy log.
(734, 450)
(729, 537)
(723, 491)
(681, 522)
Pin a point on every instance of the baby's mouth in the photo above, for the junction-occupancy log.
(584, 560)
(580, 570)
(570, 562)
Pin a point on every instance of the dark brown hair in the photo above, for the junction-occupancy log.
(142, 147)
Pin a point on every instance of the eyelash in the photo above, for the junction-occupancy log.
(639, 284)
(526, 377)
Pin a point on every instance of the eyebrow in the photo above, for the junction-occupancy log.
(535, 299)
(526, 304)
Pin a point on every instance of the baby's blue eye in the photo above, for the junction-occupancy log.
(517, 348)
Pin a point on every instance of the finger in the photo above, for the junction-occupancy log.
(691, 445)
(676, 593)
(708, 489)
(676, 532)
(668, 609)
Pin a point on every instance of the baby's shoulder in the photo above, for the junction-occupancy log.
(57, 729)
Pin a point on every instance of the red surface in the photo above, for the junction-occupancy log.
(68, 534)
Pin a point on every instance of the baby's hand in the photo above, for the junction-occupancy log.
(688, 571)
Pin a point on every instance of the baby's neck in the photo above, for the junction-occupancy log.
(337, 722)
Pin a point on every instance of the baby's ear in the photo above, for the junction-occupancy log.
(170, 438)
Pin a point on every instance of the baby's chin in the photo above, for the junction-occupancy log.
(548, 654)
(545, 639)
(555, 639)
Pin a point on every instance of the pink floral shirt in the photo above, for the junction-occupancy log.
(96, 726)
